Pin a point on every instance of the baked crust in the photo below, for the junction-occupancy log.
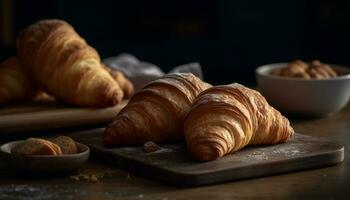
(65, 66)
(224, 119)
(155, 113)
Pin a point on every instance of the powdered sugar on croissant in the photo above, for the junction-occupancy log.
(224, 119)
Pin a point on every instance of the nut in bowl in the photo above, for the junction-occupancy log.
(38, 155)
(302, 96)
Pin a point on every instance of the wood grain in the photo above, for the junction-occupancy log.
(324, 183)
(173, 165)
(50, 115)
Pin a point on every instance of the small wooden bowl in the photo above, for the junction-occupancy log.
(44, 163)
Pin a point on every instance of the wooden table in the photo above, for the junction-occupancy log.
(327, 183)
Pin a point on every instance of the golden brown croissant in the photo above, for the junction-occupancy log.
(155, 113)
(118, 76)
(65, 66)
(224, 119)
(14, 83)
(124, 83)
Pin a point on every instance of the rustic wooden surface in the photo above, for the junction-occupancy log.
(172, 164)
(42, 116)
(326, 183)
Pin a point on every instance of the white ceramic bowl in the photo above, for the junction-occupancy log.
(304, 97)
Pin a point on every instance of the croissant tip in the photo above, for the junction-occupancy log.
(206, 153)
(116, 97)
(108, 137)
(111, 98)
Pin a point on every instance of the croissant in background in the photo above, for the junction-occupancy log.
(14, 83)
(124, 83)
(65, 66)
(224, 119)
(156, 112)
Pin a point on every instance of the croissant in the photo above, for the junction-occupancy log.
(224, 119)
(124, 83)
(156, 112)
(65, 66)
(14, 83)
(118, 76)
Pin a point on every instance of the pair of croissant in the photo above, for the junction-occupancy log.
(213, 120)
(60, 62)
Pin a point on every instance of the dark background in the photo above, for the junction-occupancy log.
(229, 38)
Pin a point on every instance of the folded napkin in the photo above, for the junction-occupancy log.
(141, 73)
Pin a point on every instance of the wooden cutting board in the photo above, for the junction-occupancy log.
(173, 165)
(41, 116)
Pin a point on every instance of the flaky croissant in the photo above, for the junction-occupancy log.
(155, 113)
(118, 76)
(124, 83)
(224, 119)
(15, 85)
(65, 66)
